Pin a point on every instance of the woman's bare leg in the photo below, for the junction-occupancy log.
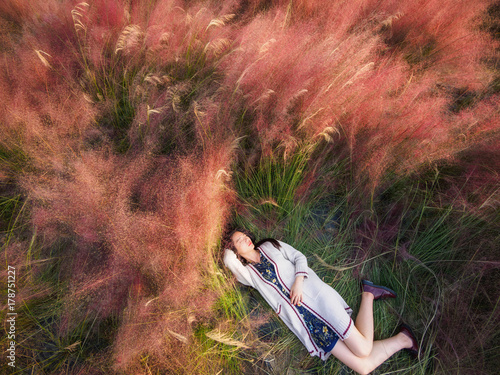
(360, 341)
(382, 350)
(364, 320)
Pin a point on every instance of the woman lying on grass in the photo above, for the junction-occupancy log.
(313, 310)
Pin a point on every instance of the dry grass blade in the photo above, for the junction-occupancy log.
(77, 13)
(217, 46)
(329, 266)
(269, 201)
(224, 338)
(197, 112)
(340, 269)
(130, 37)
(364, 69)
(222, 172)
(388, 21)
(265, 96)
(308, 118)
(151, 110)
(40, 54)
(71, 348)
(178, 336)
(221, 21)
(328, 132)
(157, 80)
(265, 47)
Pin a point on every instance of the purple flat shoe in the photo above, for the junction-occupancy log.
(413, 351)
(379, 292)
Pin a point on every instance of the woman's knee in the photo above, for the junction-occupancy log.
(362, 351)
(359, 345)
(350, 359)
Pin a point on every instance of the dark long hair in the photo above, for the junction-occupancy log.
(275, 242)
(228, 242)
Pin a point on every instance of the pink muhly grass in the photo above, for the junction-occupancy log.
(161, 333)
(102, 23)
(23, 12)
(298, 85)
(142, 226)
(45, 28)
(77, 197)
(172, 245)
(159, 120)
(43, 119)
(277, 72)
(145, 34)
(157, 221)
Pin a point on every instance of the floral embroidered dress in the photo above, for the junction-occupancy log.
(321, 333)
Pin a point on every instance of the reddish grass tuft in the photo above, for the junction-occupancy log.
(384, 111)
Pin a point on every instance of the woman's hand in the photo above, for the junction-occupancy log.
(296, 291)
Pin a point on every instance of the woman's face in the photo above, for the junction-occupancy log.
(242, 243)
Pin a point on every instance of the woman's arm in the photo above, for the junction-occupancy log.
(296, 290)
(296, 257)
(237, 268)
(300, 262)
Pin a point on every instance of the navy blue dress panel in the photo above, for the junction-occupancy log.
(321, 333)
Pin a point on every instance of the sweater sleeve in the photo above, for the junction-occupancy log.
(241, 273)
(297, 258)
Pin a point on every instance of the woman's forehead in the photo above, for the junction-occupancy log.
(237, 234)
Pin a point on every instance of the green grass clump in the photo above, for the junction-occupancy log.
(269, 189)
(425, 251)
